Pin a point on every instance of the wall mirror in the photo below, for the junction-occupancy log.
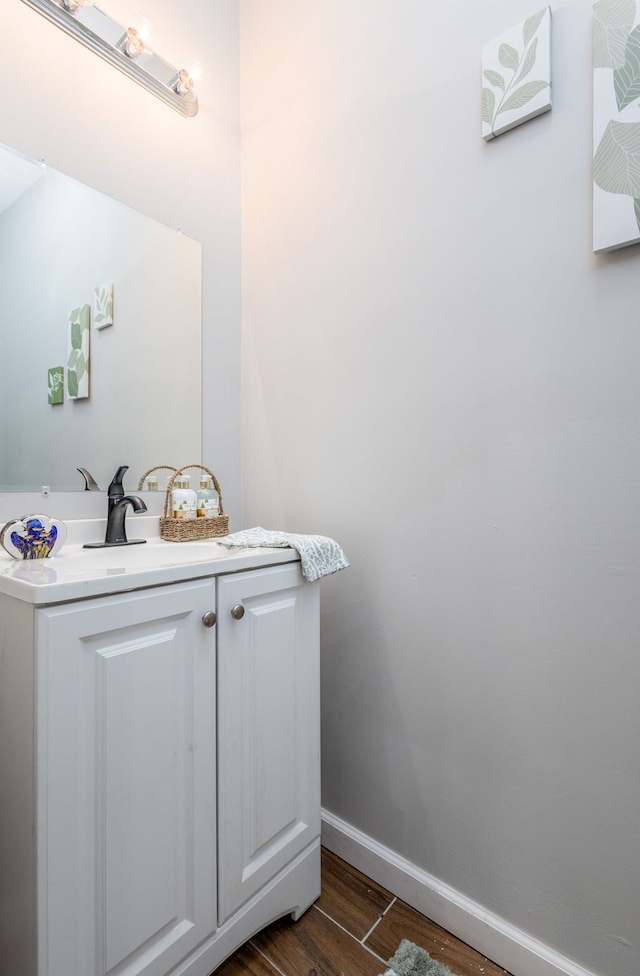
(67, 250)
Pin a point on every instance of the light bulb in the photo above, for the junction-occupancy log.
(144, 29)
(72, 6)
(132, 43)
(183, 84)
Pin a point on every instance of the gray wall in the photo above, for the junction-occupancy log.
(88, 120)
(439, 373)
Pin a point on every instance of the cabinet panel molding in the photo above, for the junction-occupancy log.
(128, 787)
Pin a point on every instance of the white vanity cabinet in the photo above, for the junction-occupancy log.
(171, 806)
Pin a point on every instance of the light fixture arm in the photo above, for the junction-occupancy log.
(90, 25)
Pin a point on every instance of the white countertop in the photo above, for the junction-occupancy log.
(78, 573)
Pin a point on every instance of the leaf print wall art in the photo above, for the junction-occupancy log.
(78, 361)
(516, 75)
(55, 379)
(102, 314)
(616, 124)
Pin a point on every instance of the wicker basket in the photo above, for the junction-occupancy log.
(188, 530)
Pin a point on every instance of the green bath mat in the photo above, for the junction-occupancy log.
(411, 960)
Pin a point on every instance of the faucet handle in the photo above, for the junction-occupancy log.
(116, 488)
(89, 480)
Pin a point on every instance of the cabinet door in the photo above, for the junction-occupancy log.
(268, 727)
(126, 782)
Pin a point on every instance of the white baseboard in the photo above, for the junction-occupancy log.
(509, 947)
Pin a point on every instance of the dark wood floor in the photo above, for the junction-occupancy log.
(352, 930)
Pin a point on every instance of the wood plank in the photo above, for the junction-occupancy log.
(403, 922)
(316, 946)
(247, 961)
(349, 898)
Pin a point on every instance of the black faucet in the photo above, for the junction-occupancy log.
(117, 503)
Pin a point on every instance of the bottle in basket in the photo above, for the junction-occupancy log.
(183, 498)
(208, 502)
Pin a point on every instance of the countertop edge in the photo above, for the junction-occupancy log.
(47, 593)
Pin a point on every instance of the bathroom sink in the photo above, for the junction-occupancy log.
(206, 549)
(152, 554)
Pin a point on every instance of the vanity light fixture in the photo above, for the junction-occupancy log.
(123, 47)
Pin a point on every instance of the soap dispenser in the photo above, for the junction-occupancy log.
(208, 500)
(183, 498)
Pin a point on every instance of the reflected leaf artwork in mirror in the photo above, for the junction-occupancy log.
(62, 244)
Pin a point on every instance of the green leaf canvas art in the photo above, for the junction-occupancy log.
(78, 355)
(55, 379)
(102, 311)
(516, 73)
(626, 79)
(616, 124)
(612, 23)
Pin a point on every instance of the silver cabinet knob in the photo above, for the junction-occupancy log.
(237, 612)
(209, 618)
